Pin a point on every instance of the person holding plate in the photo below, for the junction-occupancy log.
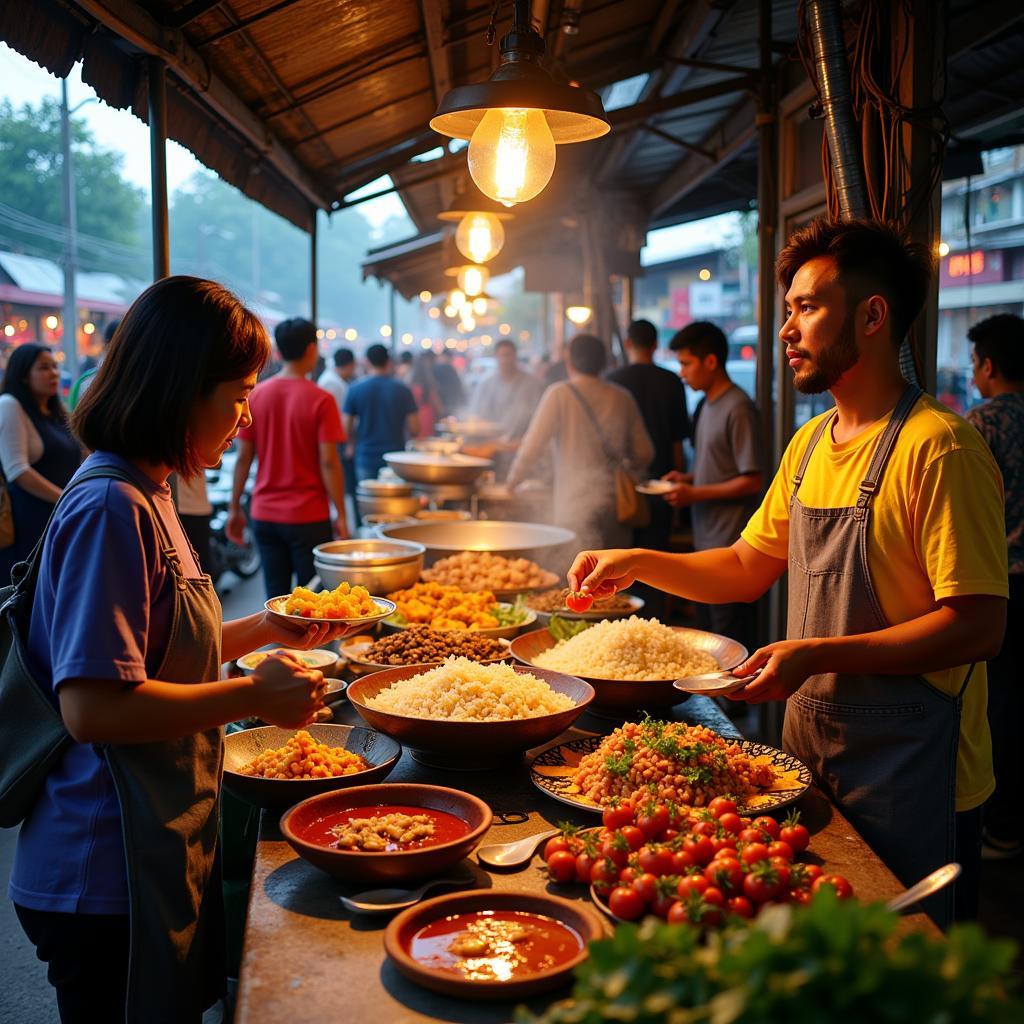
(116, 874)
(887, 512)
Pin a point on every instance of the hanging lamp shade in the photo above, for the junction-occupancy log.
(470, 199)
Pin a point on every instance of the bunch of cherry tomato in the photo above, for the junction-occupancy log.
(696, 868)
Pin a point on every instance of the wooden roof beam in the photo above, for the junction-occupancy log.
(136, 25)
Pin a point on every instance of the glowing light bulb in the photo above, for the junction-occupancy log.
(705, 274)
(351, 334)
(457, 298)
(579, 315)
(479, 306)
(473, 279)
(9, 330)
(425, 296)
(451, 310)
(504, 328)
(943, 248)
(425, 343)
(51, 322)
(332, 334)
(512, 154)
(385, 330)
(469, 322)
(433, 312)
(407, 338)
(479, 237)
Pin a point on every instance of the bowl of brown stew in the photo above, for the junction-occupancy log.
(492, 945)
(389, 833)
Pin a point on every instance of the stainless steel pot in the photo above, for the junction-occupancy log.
(433, 468)
(549, 545)
(398, 507)
(377, 488)
(381, 565)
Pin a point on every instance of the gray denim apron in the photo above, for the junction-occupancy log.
(170, 807)
(883, 747)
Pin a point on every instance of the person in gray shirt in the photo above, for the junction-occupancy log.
(724, 488)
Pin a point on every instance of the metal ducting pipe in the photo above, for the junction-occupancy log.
(825, 20)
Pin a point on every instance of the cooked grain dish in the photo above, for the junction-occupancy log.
(633, 648)
(302, 757)
(483, 570)
(464, 691)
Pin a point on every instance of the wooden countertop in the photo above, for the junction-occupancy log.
(306, 958)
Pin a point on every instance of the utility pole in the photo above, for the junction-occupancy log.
(70, 333)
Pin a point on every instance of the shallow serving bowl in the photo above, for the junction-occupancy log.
(627, 694)
(381, 752)
(380, 565)
(535, 541)
(435, 468)
(502, 632)
(468, 745)
(574, 914)
(276, 606)
(393, 866)
(325, 661)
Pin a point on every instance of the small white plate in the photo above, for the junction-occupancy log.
(656, 487)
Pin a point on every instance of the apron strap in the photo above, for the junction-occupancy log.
(967, 679)
(808, 451)
(885, 447)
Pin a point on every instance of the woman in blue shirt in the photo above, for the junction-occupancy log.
(116, 875)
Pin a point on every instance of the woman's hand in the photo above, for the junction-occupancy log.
(285, 693)
(276, 630)
(784, 668)
(602, 573)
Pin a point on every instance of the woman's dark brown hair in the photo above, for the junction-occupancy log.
(181, 338)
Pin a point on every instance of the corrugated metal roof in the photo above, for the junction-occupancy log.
(33, 274)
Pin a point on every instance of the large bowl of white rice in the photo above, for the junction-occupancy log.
(463, 714)
(631, 663)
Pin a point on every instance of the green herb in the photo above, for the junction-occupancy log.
(511, 614)
(834, 961)
(619, 765)
(566, 629)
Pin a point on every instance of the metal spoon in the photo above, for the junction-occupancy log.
(386, 901)
(928, 885)
(510, 855)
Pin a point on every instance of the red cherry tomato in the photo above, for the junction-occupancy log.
(681, 862)
(760, 886)
(699, 848)
(554, 844)
(616, 849)
(705, 828)
(731, 822)
(584, 866)
(647, 886)
(604, 875)
(842, 887)
(750, 835)
(811, 873)
(633, 836)
(740, 906)
(796, 835)
(562, 866)
(766, 824)
(725, 874)
(719, 843)
(663, 904)
(656, 860)
(692, 884)
(781, 849)
(625, 902)
(615, 817)
(628, 875)
(782, 870)
(754, 852)
(652, 821)
(677, 913)
(722, 805)
(800, 896)
(577, 601)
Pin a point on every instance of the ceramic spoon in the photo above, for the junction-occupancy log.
(714, 684)
(386, 901)
(928, 885)
(510, 855)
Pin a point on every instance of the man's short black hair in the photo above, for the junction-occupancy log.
(505, 343)
(643, 334)
(1001, 339)
(378, 356)
(293, 338)
(587, 354)
(871, 258)
(108, 331)
(344, 357)
(702, 338)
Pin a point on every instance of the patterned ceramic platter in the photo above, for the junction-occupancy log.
(276, 606)
(552, 769)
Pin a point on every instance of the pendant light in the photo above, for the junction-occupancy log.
(480, 234)
(579, 314)
(472, 278)
(514, 120)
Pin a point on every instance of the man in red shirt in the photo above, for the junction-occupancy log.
(294, 436)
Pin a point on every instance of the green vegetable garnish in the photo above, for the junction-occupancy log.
(566, 629)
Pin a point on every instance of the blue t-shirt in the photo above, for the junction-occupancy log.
(383, 406)
(102, 610)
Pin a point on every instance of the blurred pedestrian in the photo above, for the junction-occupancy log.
(336, 380)
(380, 413)
(37, 450)
(723, 490)
(591, 428)
(449, 384)
(294, 436)
(85, 379)
(998, 360)
(424, 387)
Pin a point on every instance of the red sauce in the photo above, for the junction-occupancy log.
(495, 945)
(447, 827)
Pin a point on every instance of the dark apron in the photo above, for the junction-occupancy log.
(169, 797)
(883, 747)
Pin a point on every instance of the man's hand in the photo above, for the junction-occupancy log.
(340, 528)
(235, 527)
(677, 476)
(682, 496)
(784, 668)
(603, 573)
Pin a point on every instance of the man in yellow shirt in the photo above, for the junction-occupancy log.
(887, 513)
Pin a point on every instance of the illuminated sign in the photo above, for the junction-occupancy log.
(966, 264)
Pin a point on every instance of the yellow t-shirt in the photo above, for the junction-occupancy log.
(937, 530)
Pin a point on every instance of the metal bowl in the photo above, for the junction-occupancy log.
(380, 752)
(380, 565)
(441, 445)
(502, 632)
(433, 468)
(325, 661)
(513, 540)
(375, 487)
(401, 507)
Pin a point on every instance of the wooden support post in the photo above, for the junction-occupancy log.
(313, 296)
(158, 167)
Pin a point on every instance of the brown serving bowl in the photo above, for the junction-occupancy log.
(627, 694)
(392, 867)
(468, 745)
(381, 752)
(576, 915)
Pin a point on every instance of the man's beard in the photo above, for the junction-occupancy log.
(830, 364)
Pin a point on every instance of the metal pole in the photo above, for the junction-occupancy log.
(392, 317)
(313, 272)
(70, 333)
(158, 167)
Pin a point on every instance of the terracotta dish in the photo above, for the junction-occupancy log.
(303, 822)
(462, 744)
(401, 932)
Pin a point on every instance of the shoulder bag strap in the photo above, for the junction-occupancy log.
(614, 460)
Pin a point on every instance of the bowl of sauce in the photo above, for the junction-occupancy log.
(492, 945)
(388, 833)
